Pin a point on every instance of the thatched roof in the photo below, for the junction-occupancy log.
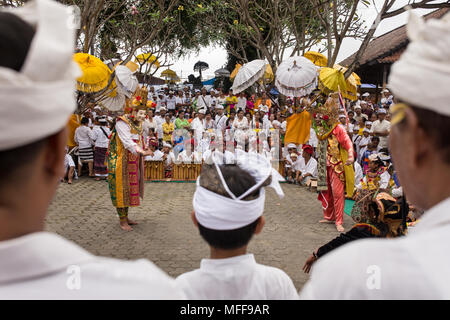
(388, 47)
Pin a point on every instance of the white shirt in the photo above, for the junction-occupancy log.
(157, 156)
(195, 157)
(179, 100)
(237, 278)
(358, 174)
(68, 161)
(46, 266)
(240, 124)
(170, 102)
(125, 136)
(159, 130)
(170, 158)
(221, 121)
(101, 140)
(242, 103)
(204, 102)
(378, 126)
(197, 125)
(84, 137)
(413, 267)
(310, 167)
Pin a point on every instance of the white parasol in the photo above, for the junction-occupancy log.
(126, 79)
(296, 77)
(116, 102)
(248, 74)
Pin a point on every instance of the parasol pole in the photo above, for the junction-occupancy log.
(343, 106)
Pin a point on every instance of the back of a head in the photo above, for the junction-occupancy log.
(238, 181)
(15, 39)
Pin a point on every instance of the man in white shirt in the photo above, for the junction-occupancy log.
(308, 166)
(180, 100)
(160, 118)
(35, 264)
(100, 134)
(416, 266)
(197, 125)
(231, 272)
(381, 128)
(242, 101)
(171, 102)
(84, 139)
(204, 101)
(221, 118)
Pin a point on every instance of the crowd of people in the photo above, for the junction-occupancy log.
(228, 203)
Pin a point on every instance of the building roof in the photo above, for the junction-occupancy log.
(388, 47)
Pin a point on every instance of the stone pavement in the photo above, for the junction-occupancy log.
(83, 213)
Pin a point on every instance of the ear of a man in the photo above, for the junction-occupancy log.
(260, 225)
(419, 143)
(54, 154)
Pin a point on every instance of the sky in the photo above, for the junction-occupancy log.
(216, 56)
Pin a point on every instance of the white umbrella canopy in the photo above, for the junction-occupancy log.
(248, 74)
(222, 73)
(116, 102)
(126, 79)
(296, 77)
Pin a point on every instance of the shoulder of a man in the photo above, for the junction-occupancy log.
(366, 269)
(278, 282)
(138, 279)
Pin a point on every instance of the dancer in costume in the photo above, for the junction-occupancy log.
(335, 159)
(377, 215)
(125, 161)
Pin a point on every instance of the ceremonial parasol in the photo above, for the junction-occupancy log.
(248, 74)
(222, 73)
(317, 58)
(96, 74)
(268, 74)
(296, 76)
(126, 79)
(332, 80)
(112, 63)
(115, 101)
(200, 66)
(352, 83)
(235, 71)
(149, 59)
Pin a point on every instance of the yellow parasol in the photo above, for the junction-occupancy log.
(235, 71)
(268, 75)
(330, 80)
(95, 73)
(169, 74)
(352, 82)
(149, 59)
(317, 58)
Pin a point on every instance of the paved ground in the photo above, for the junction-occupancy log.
(83, 212)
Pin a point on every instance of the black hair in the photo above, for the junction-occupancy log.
(84, 120)
(238, 181)
(15, 39)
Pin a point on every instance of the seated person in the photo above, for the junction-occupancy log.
(228, 211)
(308, 166)
(292, 166)
(155, 155)
(168, 158)
(69, 166)
(187, 155)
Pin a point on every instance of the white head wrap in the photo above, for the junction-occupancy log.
(37, 101)
(291, 145)
(217, 212)
(381, 111)
(168, 145)
(368, 122)
(366, 94)
(422, 74)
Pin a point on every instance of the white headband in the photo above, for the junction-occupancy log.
(37, 101)
(422, 74)
(217, 212)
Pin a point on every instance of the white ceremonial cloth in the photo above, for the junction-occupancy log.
(46, 266)
(101, 140)
(358, 174)
(38, 101)
(416, 266)
(236, 278)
